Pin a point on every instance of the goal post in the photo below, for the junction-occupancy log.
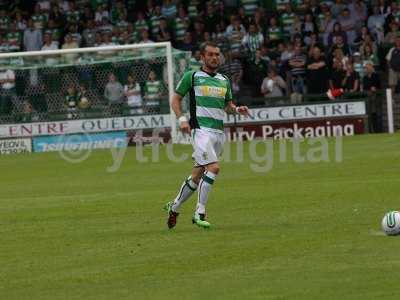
(389, 110)
(47, 82)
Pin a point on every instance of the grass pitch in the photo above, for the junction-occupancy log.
(300, 231)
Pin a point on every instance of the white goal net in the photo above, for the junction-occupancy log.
(101, 82)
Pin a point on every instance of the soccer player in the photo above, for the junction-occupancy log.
(210, 97)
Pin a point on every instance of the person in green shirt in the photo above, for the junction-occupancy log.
(141, 22)
(122, 23)
(4, 20)
(130, 4)
(152, 93)
(210, 97)
(14, 38)
(155, 21)
(116, 35)
(274, 32)
(281, 4)
(96, 3)
(181, 24)
(250, 6)
(118, 11)
(299, 5)
(71, 100)
(195, 61)
(73, 15)
(130, 30)
(253, 40)
(193, 9)
(287, 18)
(235, 33)
(39, 19)
(4, 47)
(219, 37)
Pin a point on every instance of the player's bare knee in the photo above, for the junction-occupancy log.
(197, 173)
(214, 168)
(196, 179)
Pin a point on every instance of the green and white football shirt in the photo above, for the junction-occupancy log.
(152, 91)
(250, 6)
(209, 94)
(180, 26)
(154, 23)
(39, 21)
(192, 9)
(73, 17)
(4, 22)
(281, 4)
(274, 33)
(97, 3)
(14, 37)
(194, 64)
(287, 20)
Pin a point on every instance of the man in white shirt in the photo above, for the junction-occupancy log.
(7, 91)
(133, 95)
(50, 75)
(49, 45)
(32, 38)
(145, 37)
(376, 23)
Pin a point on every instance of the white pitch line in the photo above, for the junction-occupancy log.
(377, 233)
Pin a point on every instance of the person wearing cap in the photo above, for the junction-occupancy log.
(358, 64)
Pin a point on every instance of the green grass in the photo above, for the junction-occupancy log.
(300, 231)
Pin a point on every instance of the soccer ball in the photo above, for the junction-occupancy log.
(391, 223)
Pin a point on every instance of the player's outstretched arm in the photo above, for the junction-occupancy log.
(177, 108)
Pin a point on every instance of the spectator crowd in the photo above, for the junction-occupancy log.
(273, 48)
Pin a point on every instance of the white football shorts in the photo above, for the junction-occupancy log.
(207, 146)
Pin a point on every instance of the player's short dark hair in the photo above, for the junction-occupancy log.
(207, 44)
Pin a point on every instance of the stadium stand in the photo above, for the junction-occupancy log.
(275, 52)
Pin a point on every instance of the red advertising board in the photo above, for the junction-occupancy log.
(297, 129)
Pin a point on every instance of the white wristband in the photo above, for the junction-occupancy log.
(182, 119)
(237, 109)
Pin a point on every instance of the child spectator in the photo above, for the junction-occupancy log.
(113, 93)
(297, 66)
(273, 85)
(84, 102)
(133, 95)
(71, 102)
